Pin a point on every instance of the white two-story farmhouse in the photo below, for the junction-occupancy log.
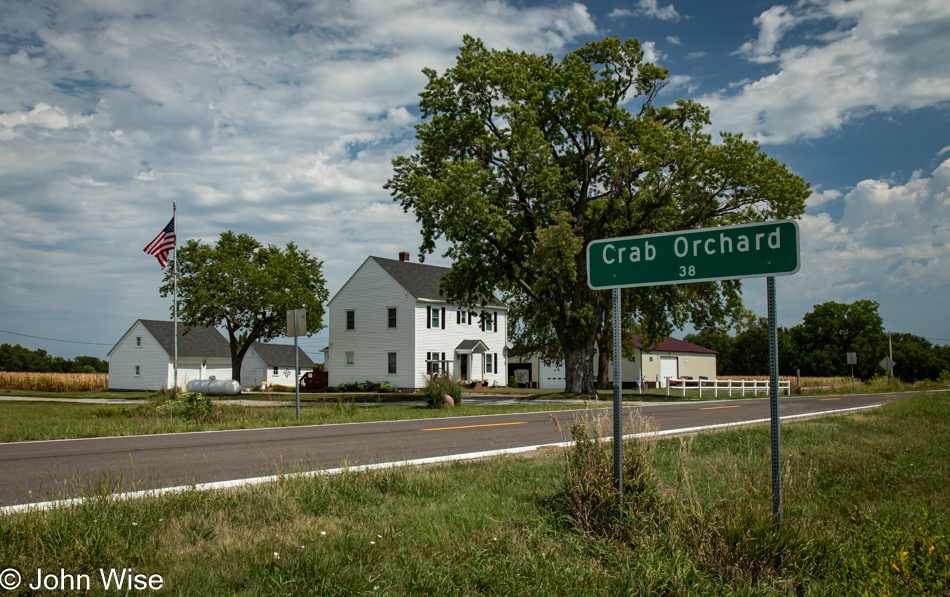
(390, 322)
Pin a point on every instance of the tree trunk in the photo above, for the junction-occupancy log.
(579, 366)
(605, 351)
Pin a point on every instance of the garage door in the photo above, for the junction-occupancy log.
(669, 368)
(550, 378)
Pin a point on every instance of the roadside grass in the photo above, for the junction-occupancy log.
(867, 512)
(29, 421)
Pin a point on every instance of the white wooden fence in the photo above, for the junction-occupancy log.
(741, 386)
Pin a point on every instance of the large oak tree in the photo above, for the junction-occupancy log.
(247, 288)
(523, 159)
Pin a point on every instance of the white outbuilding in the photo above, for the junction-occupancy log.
(143, 359)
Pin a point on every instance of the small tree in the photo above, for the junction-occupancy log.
(246, 288)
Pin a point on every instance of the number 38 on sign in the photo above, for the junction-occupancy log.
(722, 253)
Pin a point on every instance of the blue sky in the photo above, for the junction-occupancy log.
(280, 119)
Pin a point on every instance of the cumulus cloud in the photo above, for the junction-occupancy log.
(649, 9)
(275, 119)
(876, 55)
(891, 237)
(772, 24)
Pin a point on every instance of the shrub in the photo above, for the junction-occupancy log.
(193, 406)
(944, 376)
(366, 386)
(437, 387)
(512, 382)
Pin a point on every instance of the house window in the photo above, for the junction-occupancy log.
(276, 370)
(351, 320)
(435, 318)
(349, 358)
(432, 364)
(392, 317)
(138, 370)
(392, 363)
(488, 361)
(138, 341)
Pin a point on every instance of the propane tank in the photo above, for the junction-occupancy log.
(214, 387)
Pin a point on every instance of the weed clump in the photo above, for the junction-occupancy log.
(589, 495)
(437, 387)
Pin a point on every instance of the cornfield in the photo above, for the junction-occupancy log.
(54, 382)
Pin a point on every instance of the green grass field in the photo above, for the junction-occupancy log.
(866, 505)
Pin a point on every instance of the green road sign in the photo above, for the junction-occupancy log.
(723, 253)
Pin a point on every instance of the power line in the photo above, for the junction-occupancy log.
(55, 339)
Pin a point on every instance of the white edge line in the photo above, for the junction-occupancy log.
(236, 483)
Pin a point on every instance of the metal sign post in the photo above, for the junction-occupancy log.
(618, 399)
(297, 326)
(773, 403)
(852, 359)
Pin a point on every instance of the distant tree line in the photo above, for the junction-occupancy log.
(17, 358)
(818, 346)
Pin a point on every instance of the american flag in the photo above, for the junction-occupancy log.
(163, 244)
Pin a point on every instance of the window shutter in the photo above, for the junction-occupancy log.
(443, 362)
(443, 321)
(428, 317)
(469, 318)
(496, 362)
(496, 325)
(458, 317)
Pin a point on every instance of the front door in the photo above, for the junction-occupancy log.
(463, 367)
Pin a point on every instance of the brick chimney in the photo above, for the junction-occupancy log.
(404, 256)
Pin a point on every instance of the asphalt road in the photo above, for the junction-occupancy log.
(40, 471)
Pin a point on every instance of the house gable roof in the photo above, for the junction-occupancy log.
(198, 342)
(281, 355)
(420, 280)
(672, 345)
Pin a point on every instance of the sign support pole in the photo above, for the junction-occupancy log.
(618, 387)
(296, 367)
(773, 400)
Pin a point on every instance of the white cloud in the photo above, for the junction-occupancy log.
(881, 56)
(818, 198)
(891, 238)
(673, 40)
(772, 24)
(275, 119)
(649, 9)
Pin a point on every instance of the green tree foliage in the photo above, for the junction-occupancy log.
(833, 329)
(818, 346)
(523, 159)
(247, 288)
(17, 358)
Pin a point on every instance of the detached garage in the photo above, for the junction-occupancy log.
(668, 359)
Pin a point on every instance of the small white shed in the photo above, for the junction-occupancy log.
(273, 364)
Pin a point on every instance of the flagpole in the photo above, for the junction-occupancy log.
(175, 287)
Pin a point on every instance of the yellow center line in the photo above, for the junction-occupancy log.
(821, 399)
(715, 407)
(470, 426)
